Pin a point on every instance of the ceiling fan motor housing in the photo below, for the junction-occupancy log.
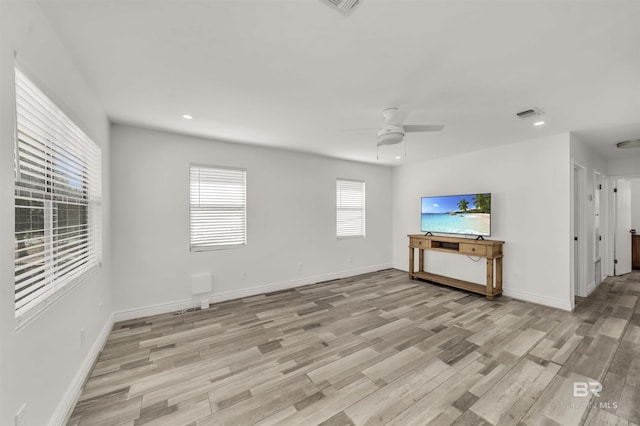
(390, 135)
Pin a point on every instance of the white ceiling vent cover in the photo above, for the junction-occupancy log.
(528, 113)
(344, 6)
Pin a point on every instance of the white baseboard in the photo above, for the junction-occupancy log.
(70, 397)
(529, 297)
(150, 310)
(163, 308)
(526, 296)
(591, 287)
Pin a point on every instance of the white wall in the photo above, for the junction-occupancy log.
(584, 156)
(627, 166)
(530, 186)
(291, 221)
(42, 362)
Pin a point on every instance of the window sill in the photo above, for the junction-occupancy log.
(32, 314)
(216, 248)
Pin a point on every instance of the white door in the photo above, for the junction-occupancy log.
(622, 254)
(579, 271)
(576, 230)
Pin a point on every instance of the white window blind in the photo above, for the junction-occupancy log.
(350, 208)
(217, 207)
(57, 199)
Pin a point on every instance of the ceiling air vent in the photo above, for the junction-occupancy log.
(533, 112)
(344, 6)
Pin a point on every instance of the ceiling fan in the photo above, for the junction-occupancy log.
(392, 131)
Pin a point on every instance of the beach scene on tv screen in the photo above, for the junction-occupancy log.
(468, 214)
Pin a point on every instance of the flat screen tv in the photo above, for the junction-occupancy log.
(467, 214)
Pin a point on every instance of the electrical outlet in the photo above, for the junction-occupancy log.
(350, 260)
(300, 267)
(100, 307)
(243, 276)
(21, 420)
(82, 336)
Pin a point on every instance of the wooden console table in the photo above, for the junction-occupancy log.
(488, 249)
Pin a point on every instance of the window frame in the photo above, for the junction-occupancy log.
(70, 252)
(195, 248)
(363, 209)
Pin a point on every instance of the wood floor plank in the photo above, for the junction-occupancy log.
(437, 401)
(374, 349)
(558, 405)
(185, 412)
(395, 365)
(386, 403)
(526, 400)
(599, 417)
(332, 404)
(330, 371)
(262, 406)
(493, 405)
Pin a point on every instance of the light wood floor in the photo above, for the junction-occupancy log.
(373, 349)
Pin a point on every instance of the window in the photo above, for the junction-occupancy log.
(57, 200)
(217, 210)
(350, 211)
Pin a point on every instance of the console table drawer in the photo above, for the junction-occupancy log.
(419, 243)
(473, 249)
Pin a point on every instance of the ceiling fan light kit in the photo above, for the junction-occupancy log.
(389, 136)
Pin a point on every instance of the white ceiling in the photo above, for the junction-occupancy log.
(295, 73)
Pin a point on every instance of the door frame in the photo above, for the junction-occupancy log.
(578, 229)
(599, 244)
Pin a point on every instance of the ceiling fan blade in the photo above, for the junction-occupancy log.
(360, 130)
(422, 128)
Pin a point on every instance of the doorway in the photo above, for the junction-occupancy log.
(622, 252)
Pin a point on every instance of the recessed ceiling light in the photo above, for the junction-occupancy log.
(538, 123)
(398, 157)
(634, 143)
(187, 116)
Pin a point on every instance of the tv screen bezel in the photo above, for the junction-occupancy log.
(459, 233)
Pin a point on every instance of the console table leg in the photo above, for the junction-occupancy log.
(411, 262)
(499, 275)
(490, 279)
